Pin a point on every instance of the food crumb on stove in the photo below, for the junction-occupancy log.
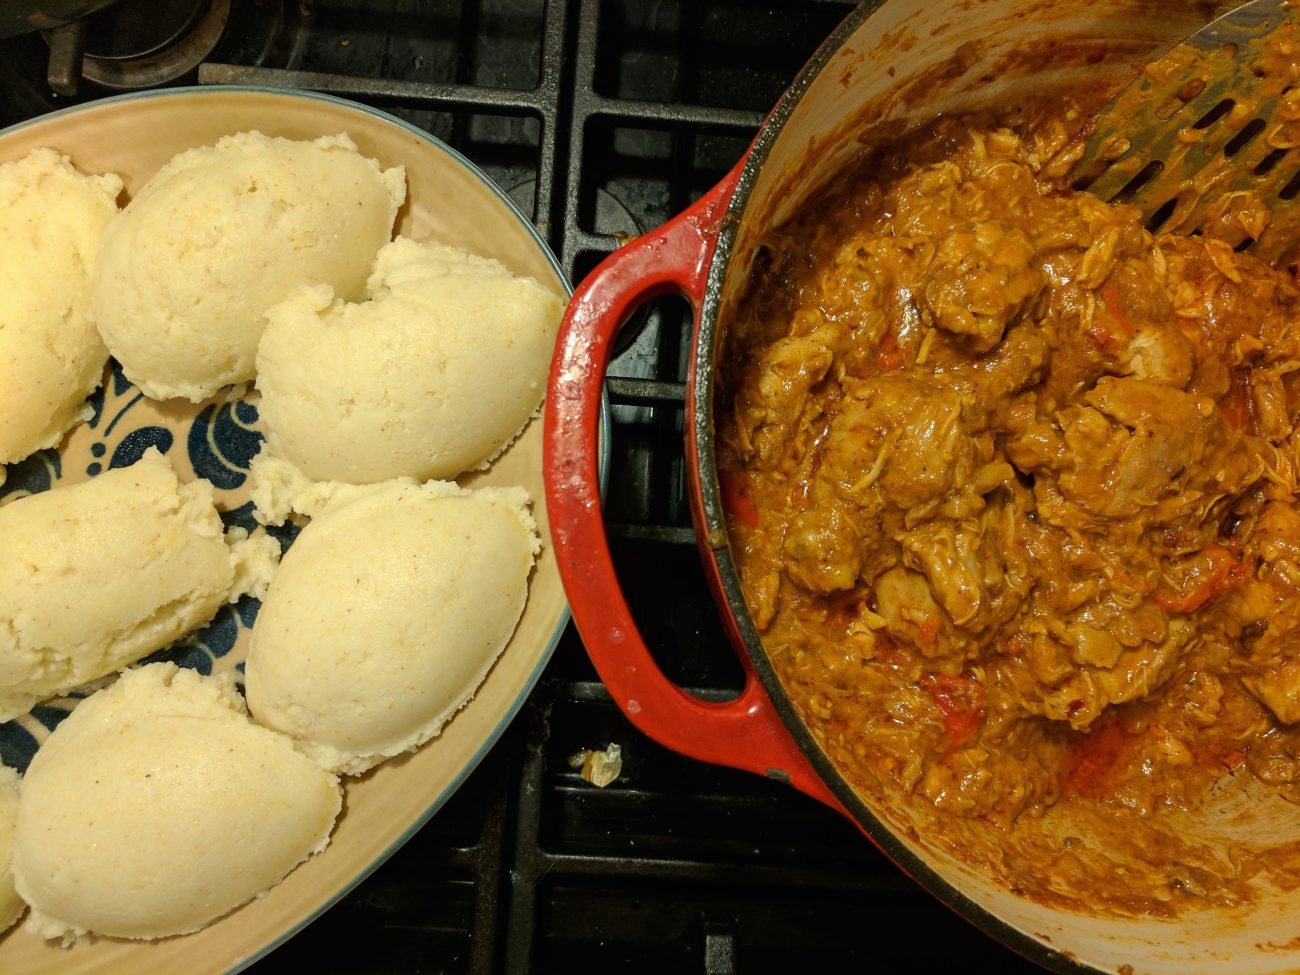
(600, 768)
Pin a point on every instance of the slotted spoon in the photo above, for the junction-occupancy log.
(1205, 140)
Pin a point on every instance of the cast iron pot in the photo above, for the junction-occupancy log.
(889, 66)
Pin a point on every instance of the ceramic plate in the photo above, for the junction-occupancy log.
(447, 198)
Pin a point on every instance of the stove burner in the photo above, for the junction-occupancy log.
(131, 31)
(192, 41)
(136, 44)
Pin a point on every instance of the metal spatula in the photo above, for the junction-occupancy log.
(1207, 139)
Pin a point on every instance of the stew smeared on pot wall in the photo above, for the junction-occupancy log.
(1012, 491)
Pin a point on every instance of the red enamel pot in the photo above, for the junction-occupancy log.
(891, 65)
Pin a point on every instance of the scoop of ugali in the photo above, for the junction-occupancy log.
(435, 374)
(11, 905)
(94, 576)
(386, 615)
(218, 235)
(51, 357)
(158, 806)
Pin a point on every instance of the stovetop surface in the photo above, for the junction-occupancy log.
(602, 119)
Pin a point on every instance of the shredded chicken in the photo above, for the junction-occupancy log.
(1020, 486)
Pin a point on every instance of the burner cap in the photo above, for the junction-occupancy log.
(131, 29)
(148, 43)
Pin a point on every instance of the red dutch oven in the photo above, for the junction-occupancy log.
(891, 65)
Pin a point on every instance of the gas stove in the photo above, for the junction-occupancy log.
(602, 119)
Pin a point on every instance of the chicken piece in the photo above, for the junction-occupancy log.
(774, 397)
(1152, 435)
(982, 279)
(1078, 669)
(1276, 534)
(1130, 316)
(761, 595)
(912, 615)
(998, 780)
(894, 444)
(965, 565)
(865, 286)
(1088, 634)
(987, 385)
(1230, 305)
(948, 556)
(1269, 411)
(902, 437)
(823, 548)
(1134, 450)
(1263, 609)
(1278, 689)
(1159, 352)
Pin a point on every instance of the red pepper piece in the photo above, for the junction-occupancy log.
(1236, 403)
(1092, 759)
(889, 356)
(735, 498)
(960, 700)
(1222, 572)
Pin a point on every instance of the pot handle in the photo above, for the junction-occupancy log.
(746, 732)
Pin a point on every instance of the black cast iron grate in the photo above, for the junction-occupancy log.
(602, 120)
